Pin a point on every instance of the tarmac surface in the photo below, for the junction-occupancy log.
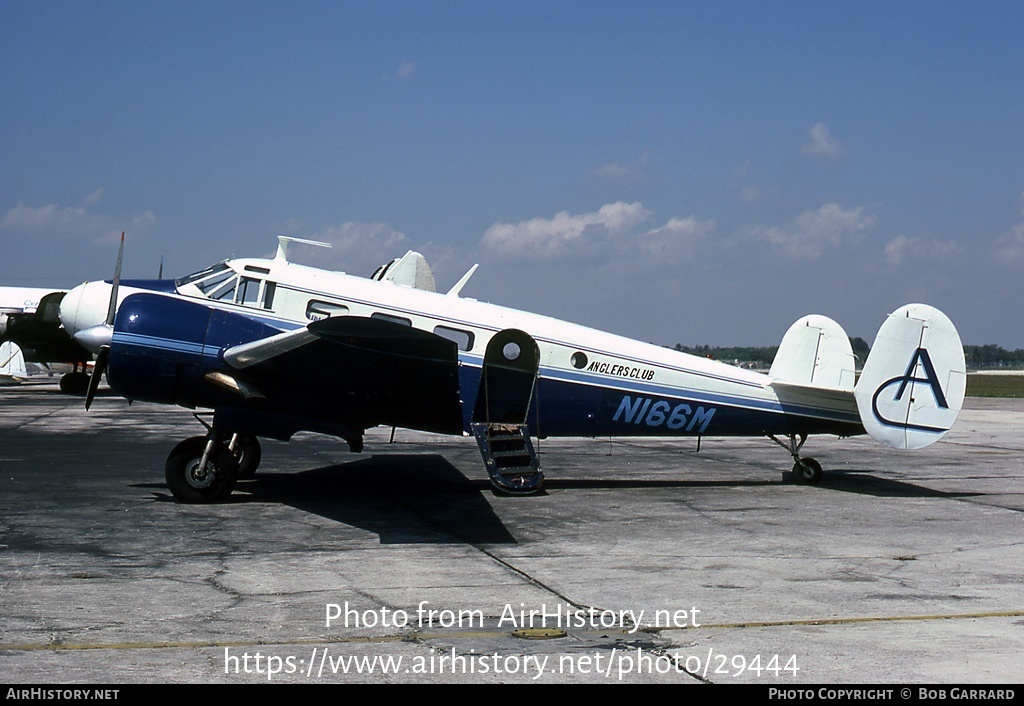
(654, 562)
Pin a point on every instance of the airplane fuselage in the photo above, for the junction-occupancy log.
(588, 383)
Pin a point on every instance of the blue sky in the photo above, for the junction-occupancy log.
(689, 172)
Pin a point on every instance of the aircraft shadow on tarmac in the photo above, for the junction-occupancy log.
(863, 482)
(404, 499)
(424, 499)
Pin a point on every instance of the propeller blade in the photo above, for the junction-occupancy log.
(112, 308)
(97, 373)
(108, 329)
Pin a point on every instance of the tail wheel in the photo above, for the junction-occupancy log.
(190, 483)
(807, 471)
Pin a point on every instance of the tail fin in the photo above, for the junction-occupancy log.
(913, 383)
(12, 361)
(815, 352)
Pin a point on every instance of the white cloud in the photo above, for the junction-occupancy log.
(676, 238)
(48, 217)
(53, 220)
(94, 197)
(565, 233)
(822, 144)
(829, 226)
(625, 170)
(1009, 247)
(406, 70)
(358, 248)
(617, 170)
(902, 247)
(750, 194)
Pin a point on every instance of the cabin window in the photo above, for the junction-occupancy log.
(249, 292)
(268, 298)
(463, 339)
(393, 319)
(317, 310)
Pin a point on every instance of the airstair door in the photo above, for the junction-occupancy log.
(507, 384)
(509, 376)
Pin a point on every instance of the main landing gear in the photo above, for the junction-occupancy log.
(806, 471)
(204, 469)
(74, 383)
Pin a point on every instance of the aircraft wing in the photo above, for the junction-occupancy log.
(359, 371)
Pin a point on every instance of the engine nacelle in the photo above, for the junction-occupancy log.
(163, 346)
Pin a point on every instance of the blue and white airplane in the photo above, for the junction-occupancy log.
(274, 348)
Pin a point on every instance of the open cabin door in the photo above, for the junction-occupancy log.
(507, 384)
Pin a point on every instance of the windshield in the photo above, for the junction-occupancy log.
(222, 283)
(202, 274)
(216, 282)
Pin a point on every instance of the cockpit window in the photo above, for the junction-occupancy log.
(216, 282)
(222, 283)
(221, 287)
(202, 274)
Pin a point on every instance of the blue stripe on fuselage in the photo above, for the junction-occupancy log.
(581, 404)
(166, 344)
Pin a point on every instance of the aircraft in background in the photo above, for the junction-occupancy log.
(274, 348)
(31, 332)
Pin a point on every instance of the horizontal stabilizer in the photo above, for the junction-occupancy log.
(831, 403)
(913, 383)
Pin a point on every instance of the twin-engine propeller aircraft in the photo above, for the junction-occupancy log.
(274, 348)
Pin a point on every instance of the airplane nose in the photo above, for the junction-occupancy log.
(85, 306)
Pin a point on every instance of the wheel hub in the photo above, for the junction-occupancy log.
(197, 477)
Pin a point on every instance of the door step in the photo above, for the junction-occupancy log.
(509, 456)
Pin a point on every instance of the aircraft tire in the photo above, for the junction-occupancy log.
(807, 471)
(74, 383)
(248, 455)
(185, 481)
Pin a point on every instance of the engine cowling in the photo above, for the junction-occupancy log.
(163, 346)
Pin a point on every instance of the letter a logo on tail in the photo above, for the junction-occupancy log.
(931, 379)
(905, 406)
(911, 405)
